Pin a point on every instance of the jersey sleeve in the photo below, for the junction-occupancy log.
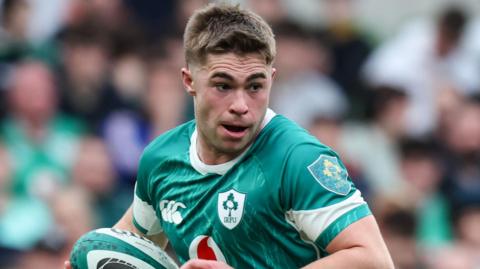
(320, 198)
(144, 217)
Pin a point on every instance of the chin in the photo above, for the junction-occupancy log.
(234, 147)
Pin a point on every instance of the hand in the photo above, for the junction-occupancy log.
(67, 265)
(205, 264)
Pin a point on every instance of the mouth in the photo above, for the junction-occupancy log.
(235, 131)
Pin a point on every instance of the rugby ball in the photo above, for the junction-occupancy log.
(110, 248)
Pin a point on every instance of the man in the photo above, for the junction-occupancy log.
(240, 185)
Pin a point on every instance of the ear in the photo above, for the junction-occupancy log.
(274, 73)
(187, 79)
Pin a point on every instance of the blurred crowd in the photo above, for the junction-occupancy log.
(86, 84)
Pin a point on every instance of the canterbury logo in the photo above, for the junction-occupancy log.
(170, 211)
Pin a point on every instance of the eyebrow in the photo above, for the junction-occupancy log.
(230, 78)
(255, 76)
(222, 75)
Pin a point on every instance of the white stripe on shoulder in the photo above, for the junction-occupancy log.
(145, 216)
(314, 222)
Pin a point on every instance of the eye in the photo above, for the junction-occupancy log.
(255, 87)
(222, 87)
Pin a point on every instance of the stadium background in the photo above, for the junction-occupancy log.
(393, 86)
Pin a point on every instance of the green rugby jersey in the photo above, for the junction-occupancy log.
(277, 205)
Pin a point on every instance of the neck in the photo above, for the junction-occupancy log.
(209, 155)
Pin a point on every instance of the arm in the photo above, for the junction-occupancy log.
(325, 205)
(126, 223)
(360, 244)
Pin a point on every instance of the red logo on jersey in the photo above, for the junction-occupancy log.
(204, 247)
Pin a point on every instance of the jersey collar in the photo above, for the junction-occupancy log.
(222, 168)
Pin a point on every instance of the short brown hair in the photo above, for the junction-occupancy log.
(222, 28)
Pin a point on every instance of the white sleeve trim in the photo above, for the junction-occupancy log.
(145, 216)
(314, 222)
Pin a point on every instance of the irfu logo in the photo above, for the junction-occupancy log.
(230, 204)
(230, 208)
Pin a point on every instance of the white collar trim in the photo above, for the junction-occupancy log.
(220, 169)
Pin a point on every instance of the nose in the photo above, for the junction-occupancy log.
(239, 103)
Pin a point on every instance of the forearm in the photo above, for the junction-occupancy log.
(354, 258)
(126, 223)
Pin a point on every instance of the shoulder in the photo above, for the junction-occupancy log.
(283, 147)
(290, 151)
(304, 167)
(283, 137)
(171, 143)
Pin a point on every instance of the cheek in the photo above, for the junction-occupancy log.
(207, 107)
(260, 101)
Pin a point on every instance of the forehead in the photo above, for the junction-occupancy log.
(235, 65)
